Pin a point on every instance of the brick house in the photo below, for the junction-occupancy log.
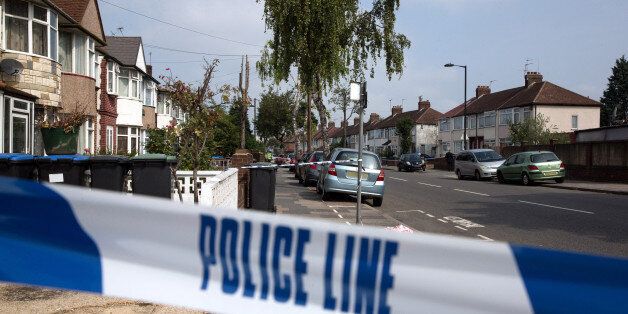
(128, 94)
(490, 114)
(55, 42)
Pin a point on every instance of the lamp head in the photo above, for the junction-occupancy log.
(449, 65)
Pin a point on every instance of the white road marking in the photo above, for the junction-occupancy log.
(410, 211)
(348, 223)
(558, 207)
(404, 180)
(476, 193)
(433, 185)
(335, 211)
(485, 238)
(443, 221)
(341, 206)
(460, 228)
(422, 212)
(463, 222)
(339, 215)
(428, 215)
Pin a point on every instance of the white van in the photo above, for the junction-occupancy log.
(478, 163)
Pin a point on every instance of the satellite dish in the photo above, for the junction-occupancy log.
(11, 67)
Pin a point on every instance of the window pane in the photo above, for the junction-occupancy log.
(122, 130)
(20, 105)
(65, 51)
(81, 54)
(133, 131)
(110, 81)
(134, 144)
(124, 87)
(19, 135)
(7, 124)
(17, 7)
(40, 13)
(574, 122)
(92, 68)
(40, 39)
(53, 19)
(134, 88)
(53, 44)
(122, 144)
(17, 34)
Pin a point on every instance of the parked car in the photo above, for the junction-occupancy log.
(477, 163)
(411, 162)
(427, 157)
(292, 162)
(341, 175)
(299, 170)
(529, 167)
(311, 171)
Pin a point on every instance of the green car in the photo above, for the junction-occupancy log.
(529, 167)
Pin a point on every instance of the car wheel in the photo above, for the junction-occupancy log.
(377, 202)
(458, 174)
(500, 178)
(525, 179)
(399, 169)
(326, 196)
(423, 168)
(561, 180)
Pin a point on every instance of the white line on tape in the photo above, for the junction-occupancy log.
(460, 228)
(335, 211)
(348, 223)
(422, 212)
(433, 185)
(558, 207)
(476, 193)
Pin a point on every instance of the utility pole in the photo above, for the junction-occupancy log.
(244, 92)
(359, 94)
(345, 103)
(255, 117)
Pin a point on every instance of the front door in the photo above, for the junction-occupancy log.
(19, 133)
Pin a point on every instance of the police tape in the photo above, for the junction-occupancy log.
(235, 261)
(269, 165)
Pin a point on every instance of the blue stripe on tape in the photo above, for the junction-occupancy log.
(41, 242)
(560, 282)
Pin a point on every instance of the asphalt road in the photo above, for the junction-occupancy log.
(435, 201)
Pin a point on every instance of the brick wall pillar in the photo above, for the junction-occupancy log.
(242, 157)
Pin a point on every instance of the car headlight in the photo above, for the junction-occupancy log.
(407, 163)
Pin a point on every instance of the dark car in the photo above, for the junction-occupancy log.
(411, 162)
(299, 168)
(310, 171)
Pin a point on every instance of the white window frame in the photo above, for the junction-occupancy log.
(471, 121)
(506, 112)
(109, 139)
(91, 56)
(459, 121)
(130, 137)
(31, 19)
(17, 112)
(112, 69)
(572, 121)
(489, 119)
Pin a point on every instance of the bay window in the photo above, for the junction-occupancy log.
(458, 123)
(65, 51)
(77, 54)
(527, 113)
(91, 57)
(30, 28)
(128, 140)
(130, 84)
(17, 126)
(489, 118)
(123, 83)
(471, 122)
(505, 117)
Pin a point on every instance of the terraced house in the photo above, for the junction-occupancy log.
(49, 67)
(490, 114)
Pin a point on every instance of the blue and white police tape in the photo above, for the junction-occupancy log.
(236, 261)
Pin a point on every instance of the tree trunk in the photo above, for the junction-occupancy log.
(322, 116)
(295, 112)
(195, 182)
(308, 124)
(177, 184)
(344, 125)
(243, 125)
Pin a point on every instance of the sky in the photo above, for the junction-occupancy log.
(573, 43)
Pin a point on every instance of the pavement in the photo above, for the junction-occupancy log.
(437, 202)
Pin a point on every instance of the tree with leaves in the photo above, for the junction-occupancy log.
(274, 119)
(615, 98)
(196, 132)
(404, 129)
(326, 40)
(535, 131)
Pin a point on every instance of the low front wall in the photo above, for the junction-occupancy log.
(217, 188)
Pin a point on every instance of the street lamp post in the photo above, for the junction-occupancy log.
(449, 65)
(358, 94)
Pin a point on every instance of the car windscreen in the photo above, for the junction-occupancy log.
(487, 156)
(316, 157)
(351, 158)
(414, 158)
(543, 157)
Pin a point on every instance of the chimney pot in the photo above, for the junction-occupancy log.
(331, 125)
(396, 110)
(356, 120)
(424, 104)
(533, 77)
(374, 118)
(482, 90)
(149, 69)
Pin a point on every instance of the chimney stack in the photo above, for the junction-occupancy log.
(424, 104)
(396, 110)
(533, 77)
(482, 90)
(331, 125)
(374, 118)
(356, 120)
(343, 124)
(149, 70)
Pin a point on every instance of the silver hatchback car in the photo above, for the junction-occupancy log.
(341, 175)
(478, 163)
